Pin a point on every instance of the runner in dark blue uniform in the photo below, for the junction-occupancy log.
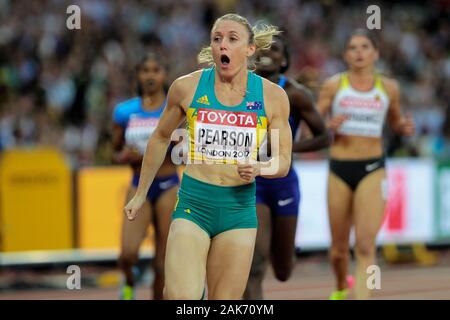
(278, 199)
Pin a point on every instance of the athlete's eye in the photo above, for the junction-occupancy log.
(233, 39)
(216, 39)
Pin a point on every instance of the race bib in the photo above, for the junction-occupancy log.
(224, 136)
(139, 130)
(365, 116)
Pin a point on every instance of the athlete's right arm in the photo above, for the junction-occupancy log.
(123, 154)
(158, 143)
(326, 96)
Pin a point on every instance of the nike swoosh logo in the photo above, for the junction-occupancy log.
(166, 184)
(285, 202)
(372, 166)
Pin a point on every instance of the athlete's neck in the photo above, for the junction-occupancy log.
(153, 101)
(362, 73)
(237, 82)
(362, 78)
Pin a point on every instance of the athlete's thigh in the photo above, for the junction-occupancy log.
(133, 232)
(229, 262)
(369, 204)
(186, 256)
(339, 197)
(164, 207)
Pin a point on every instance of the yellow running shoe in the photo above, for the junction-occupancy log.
(339, 295)
(127, 293)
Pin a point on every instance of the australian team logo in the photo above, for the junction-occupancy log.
(254, 105)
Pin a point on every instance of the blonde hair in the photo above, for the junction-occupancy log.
(261, 35)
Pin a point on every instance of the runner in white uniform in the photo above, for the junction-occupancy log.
(359, 101)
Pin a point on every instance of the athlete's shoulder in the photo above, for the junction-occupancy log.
(182, 90)
(273, 90)
(276, 99)
(124, 109)
(129, 103)
(186, 83)
(390, 84)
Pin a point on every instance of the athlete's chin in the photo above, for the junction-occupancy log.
(225, 70)
(151, 90)
(361, 64)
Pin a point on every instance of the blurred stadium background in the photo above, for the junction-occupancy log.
(61, 199)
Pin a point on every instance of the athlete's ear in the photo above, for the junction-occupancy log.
(284, 63)
(251, 49)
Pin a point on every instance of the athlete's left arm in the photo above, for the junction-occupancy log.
(303, 101)
(277, 110)
(402, 125)
(276, 104)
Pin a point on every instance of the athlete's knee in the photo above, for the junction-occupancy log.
(283, 275)
(339, 252)
(283, 271)
(230, 294)
(364, 248)
(173, 292)
(128, 259)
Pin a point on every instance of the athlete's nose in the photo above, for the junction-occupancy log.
(223, 45)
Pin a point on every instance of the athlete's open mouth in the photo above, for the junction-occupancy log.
(224, 59)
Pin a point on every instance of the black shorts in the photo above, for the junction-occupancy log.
(353, 171)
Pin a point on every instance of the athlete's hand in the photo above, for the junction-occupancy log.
(335, 122)
(407, 126)
(132, 207)
(129, 155)
(248, 171)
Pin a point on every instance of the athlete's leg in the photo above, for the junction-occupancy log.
(284, 226)
(368, 208)
(133, 233)
(163, 215)
(185, 262)
(340, 220)
(229, 263)
(261, 256)
(283, 245)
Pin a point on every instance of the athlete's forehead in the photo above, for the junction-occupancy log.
(277, 44)
(151, 63)
(229, 27)
(358, 40)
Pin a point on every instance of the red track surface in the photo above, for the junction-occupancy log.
(311, 279)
